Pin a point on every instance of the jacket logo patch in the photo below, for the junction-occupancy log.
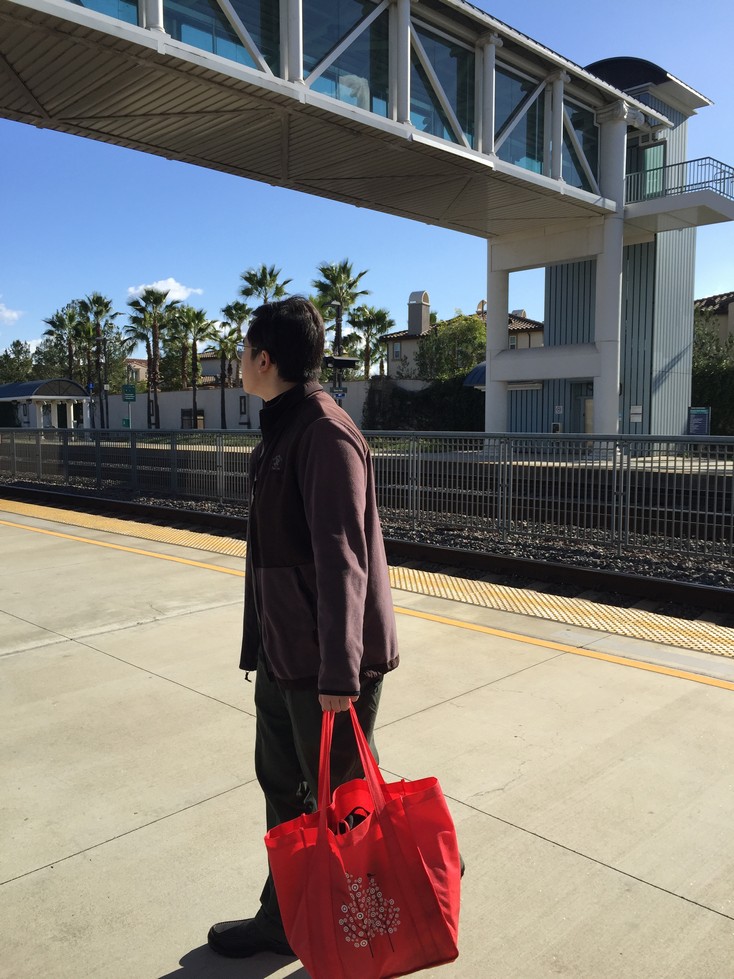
(277, 464)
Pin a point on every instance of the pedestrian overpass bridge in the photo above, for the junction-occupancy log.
(432, 111)
(426, 109)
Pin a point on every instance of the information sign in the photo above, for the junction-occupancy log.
(699, 421)
(128, 392)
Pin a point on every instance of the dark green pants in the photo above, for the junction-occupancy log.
(287, 740)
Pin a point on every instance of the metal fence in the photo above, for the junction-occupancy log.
(674, 495)
(680, 178)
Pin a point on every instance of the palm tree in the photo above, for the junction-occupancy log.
(264, 283)
(370, 325)
(227, 347)
(151, 314)
(198, 328)
(64, 327)
(96, 311)
(338, 284)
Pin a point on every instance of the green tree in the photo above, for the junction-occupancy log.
(97, 323)
(451, 348)
(49, 359)
(198, 329)
(151, 314)
(65, 325)
(369, 325)
(263, 282)
(175, 352)
(16, 363)
(227, 347)
(338, 284)
(713, 373)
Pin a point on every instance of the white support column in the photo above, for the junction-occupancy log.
(153, 12)
(488, 47)
(70, 414)
(38, 405)
(54, 414)
(86, 422)
(559, 80)
(498, 299)
(400, 61)
(291, 40)
(608, 308)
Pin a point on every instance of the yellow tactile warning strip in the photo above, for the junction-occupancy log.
(635, 623)
(129, 528)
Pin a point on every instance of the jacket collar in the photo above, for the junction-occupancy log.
(273, 412)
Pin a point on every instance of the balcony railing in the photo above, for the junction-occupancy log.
(681, 178)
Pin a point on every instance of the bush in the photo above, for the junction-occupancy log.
(443, 406)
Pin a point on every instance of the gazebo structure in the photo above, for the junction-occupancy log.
(38, 402)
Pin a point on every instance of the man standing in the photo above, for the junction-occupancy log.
(319, 626)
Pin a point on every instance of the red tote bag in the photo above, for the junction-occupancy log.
(377, 900)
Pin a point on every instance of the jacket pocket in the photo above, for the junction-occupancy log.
(288, 619)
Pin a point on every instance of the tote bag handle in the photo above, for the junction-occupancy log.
(372, 774)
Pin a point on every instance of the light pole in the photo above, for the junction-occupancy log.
(337, 374)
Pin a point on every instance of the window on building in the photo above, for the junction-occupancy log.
(580, 147)
(360, 75)
(202, 24)
(396, 351)
(187, 415)
(454, 67)
(518, 124)
(243, 404)
(119, 9)
(512, 341)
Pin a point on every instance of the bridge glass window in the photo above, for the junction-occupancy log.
(202, 24)
(262, 21)
(360, 75)
(453, 65)
(119, 9)
(581, 121)
(523, 144)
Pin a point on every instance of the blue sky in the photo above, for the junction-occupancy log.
(79, 216)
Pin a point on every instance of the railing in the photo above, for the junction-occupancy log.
(668, 495)
(680, 178)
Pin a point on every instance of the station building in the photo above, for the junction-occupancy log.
(434, 111)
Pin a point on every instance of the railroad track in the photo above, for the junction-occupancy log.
(661, 595)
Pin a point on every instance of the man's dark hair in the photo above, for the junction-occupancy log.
(292, 332)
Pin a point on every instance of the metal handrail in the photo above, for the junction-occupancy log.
(680, 178)
(666, 494)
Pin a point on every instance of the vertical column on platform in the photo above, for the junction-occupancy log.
(400, 60)
(495, 392)
(38, 405)
(86, 422)
(557, 114)
(291, 39)
(608, 305)
(153, 13)
(487, 58)
(54, 414)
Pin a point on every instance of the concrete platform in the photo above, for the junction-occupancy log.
(593, 798)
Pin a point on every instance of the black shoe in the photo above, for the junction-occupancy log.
(241, 939)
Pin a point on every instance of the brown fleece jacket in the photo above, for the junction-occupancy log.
(317, 593)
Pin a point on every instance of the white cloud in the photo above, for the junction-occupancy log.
(174, 289)
(9, 316)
